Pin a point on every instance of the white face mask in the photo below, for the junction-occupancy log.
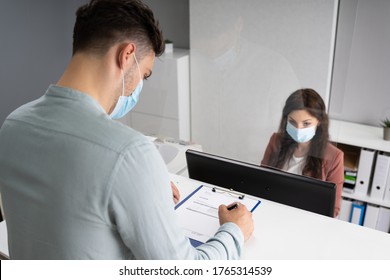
(126, 103)
(301, 135)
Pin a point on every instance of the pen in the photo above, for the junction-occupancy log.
(231, 207)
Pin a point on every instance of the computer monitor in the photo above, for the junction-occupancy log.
(273, 184)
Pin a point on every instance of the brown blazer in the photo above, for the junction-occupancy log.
(332, 166)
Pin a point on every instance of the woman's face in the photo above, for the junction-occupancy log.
(302, 119)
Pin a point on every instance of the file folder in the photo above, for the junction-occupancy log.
(345, 210)
(379, 179)
(387, 189)
(371, 216)
(363, 178)
(357, 213)
(383, 223)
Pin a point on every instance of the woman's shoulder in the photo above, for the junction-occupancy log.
(331, 151)
(275, 140)
(275, 137)
(272, 149)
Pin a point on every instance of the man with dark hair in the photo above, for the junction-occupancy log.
(78, 185)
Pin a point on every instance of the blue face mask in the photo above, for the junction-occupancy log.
(301, 135)
(126, 103)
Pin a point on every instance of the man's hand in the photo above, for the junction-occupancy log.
(175, 192)
(239, 215)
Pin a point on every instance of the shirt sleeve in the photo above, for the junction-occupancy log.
(142, 210)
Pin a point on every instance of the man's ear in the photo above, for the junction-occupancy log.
(125, 55)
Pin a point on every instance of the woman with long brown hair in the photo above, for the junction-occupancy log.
(302, 143)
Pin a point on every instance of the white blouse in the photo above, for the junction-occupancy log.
(295, 165)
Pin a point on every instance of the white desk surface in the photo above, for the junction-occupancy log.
(283, 232)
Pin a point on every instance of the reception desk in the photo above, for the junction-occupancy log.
(283, 232)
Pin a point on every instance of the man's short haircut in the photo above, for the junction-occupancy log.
(100, 24)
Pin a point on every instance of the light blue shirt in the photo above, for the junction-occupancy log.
(77, 185)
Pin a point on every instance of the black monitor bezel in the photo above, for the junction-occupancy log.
(235, 174)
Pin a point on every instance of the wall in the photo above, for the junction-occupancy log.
(173, 16)
(36, 40)
(36, 43)
(360, 88)
(246, 58)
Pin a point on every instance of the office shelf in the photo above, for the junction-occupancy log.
(358, 135)
(351, 138)
(367, 199)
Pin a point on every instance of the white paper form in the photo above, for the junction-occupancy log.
(198, 213)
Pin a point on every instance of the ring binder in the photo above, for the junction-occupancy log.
(364, 175)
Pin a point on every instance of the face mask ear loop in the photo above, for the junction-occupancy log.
(123, 83)
(123, 76)
(139, 70)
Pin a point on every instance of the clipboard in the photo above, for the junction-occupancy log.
(198, 212)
